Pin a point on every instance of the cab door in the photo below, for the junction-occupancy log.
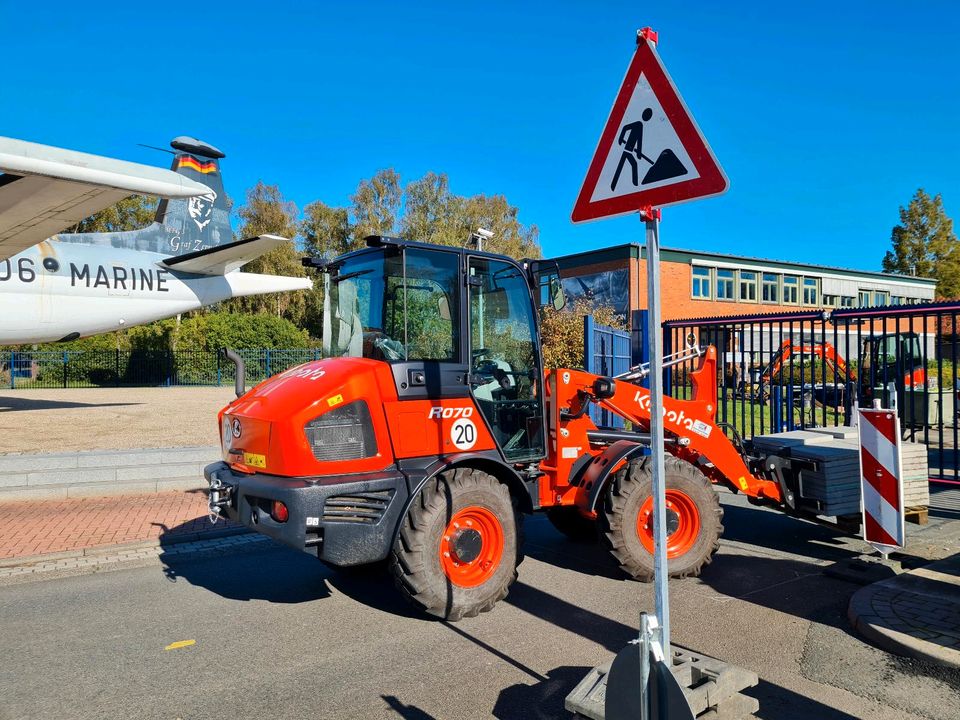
(506, 373)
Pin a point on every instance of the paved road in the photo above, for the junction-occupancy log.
(277, 634)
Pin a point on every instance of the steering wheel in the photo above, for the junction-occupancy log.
(389, 348)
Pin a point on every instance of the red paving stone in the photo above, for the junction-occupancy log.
(47, 526)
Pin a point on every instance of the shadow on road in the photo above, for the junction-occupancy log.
(12, 403)
(408, 712)
(776, 531)
(779, 703)
(280, 577)
(543, 699)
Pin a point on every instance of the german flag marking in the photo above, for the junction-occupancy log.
(188, 161)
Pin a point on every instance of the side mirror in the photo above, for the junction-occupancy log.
(557, 298)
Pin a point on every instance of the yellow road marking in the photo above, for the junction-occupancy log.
(180, 644)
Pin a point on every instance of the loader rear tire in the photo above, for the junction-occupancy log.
(694, 519)
(573, 524)
(458, 548)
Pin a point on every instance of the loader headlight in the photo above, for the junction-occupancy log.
(345, 433)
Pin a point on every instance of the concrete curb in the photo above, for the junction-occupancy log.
(102, 473)
(96, 550)
(929, 625)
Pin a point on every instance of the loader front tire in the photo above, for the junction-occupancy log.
(458, 548)
(694, 519)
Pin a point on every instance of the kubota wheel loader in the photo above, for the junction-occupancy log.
(431, 429)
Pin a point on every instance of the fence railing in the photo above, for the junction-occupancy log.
(140, 368)
(606, 351)
(813, 369)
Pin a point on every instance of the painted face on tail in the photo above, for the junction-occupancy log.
(200, 208)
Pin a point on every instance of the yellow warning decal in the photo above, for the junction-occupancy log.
(254, 460)
(742, 482)
(335, 400)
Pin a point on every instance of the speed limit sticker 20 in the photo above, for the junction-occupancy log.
(463, 434)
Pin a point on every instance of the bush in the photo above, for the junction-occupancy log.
(562, 331)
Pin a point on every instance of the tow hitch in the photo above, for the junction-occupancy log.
(219, 496)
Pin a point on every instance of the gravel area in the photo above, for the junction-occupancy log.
(108, 418)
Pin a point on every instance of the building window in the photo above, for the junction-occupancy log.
(748, 286)
(863, 298)
(847, 300)
(725, 284)
(830, 300)
(791, 284)
(811, 290)
(897, 300)
(771, 287)
(701, 282)
(880, 298)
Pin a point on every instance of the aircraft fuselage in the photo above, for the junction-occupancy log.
(56, 290)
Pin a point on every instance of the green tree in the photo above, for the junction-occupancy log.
(267, 212)
(925, 244)
(376, 204)
(131, 213)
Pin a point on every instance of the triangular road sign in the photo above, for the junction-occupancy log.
(651, 152)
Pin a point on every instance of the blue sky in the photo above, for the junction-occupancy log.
(825, 116)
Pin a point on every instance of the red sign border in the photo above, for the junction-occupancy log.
(712, 180)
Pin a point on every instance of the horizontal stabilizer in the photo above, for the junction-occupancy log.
(224, 259)
(45, 190)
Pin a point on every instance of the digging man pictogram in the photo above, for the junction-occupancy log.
(631, 139)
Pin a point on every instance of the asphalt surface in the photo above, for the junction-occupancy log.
(277, 634)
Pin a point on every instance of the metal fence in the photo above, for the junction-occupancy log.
(607, 351)
(140, 368)
(812, 369)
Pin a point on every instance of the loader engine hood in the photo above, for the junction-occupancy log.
(323, 418)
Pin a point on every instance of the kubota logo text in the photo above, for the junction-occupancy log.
(676, 418)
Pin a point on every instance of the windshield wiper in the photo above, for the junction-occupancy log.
(347, 276)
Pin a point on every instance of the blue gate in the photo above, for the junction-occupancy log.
(606, 351)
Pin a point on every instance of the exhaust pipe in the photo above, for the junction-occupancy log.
(240, 381)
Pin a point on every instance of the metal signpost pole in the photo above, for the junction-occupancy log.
(662, 601)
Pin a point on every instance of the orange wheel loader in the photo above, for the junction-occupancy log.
(431, 429)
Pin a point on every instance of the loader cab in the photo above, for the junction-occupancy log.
(894, 357)
(451, 323)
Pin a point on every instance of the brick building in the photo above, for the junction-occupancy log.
(697, 283)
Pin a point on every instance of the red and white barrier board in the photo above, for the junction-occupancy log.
(881, 479)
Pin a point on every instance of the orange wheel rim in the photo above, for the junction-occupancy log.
(471, 546)
(683, 523)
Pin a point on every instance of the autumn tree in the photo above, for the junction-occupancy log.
(131, 213)
(266, 212)
(925, 244)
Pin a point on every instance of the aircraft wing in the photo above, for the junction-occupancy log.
(224, 259)
(45, 190)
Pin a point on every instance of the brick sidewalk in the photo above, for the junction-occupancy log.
(916, 613)
(39, 527)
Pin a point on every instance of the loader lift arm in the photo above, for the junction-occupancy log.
(690, 425)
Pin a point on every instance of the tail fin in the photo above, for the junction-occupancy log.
(204, 221)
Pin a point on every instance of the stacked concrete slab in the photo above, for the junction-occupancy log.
(41, 476)
(711, 687)
(828, 467)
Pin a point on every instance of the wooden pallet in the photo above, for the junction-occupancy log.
(916, 515)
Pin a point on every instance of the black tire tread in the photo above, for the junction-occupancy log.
(631, 479)
(414, 574)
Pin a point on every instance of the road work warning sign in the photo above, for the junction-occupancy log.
(651, 152)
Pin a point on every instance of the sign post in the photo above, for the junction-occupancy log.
(655, 343)
(650, 154)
